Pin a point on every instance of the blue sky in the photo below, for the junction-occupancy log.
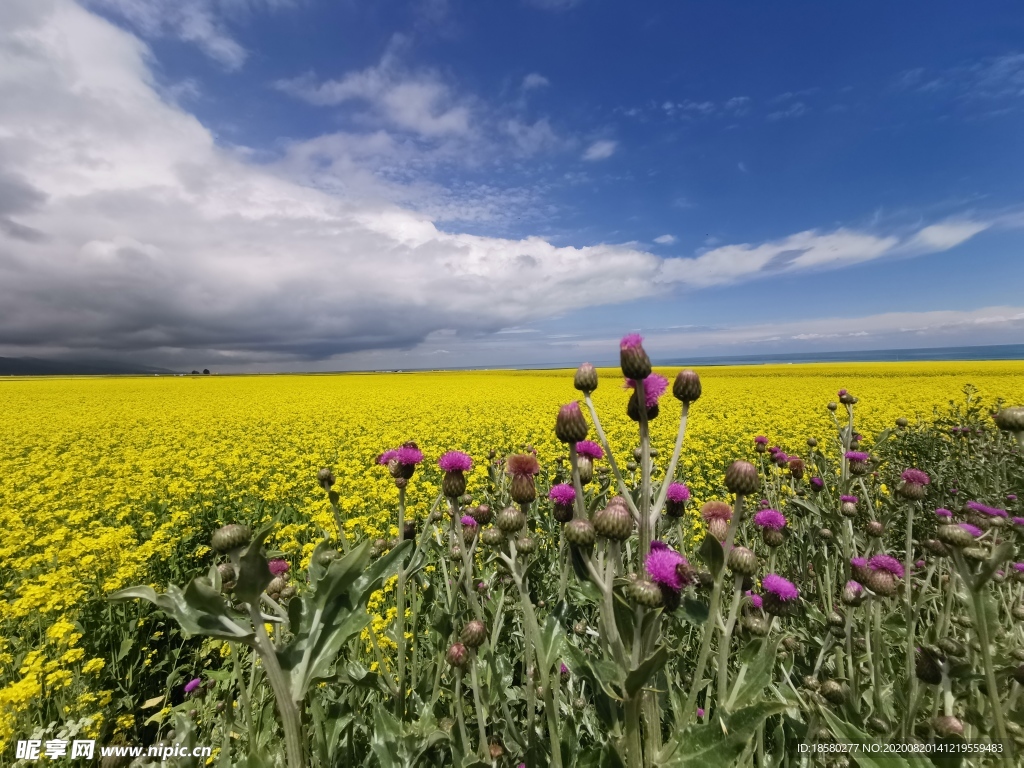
(304, 184)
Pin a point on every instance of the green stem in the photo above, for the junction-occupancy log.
(400, 616)
(623, 490)
(726, 641)
(670, 474)
(287, 708)
(480, 718)
(909, 601)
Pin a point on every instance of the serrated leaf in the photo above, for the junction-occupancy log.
(717, 744)
(695, 611)
(253, 569)
(851, 734)
(648, 668)
(712, 553)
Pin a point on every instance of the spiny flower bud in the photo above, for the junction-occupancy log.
(951, 647)
(741, 478)
(926, 666)
(230, 537)
(409, 531)
(523, 490)
(954, 536)
(570, 426)
(492, 537)
(832, 407)
(633, 408)
(772, 537)
(834, 691)
(846, 398)
(812, 442)
(580, 532)
(632, 357)
(613, 522)
(874, 528)
(686, 387)
(276, 585)
(718, 528)
(457, 656)
(902, 423)
(586, 378)
(474, 634)
(796, 467)
(526, 545)
(1010, 419)
(646, 593)
(227, 576)
(853, 593)
(882, 583)
(325, 478)
(755, 625)
(947, 726)
(936, 547)
(836, 620)
(742, 561)
(510, 520)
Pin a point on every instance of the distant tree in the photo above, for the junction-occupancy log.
(195, 373)
(206, 371)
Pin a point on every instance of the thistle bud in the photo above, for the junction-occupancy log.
(825, 534)
(482, 514)
(227, 576)
(846, 398)
(526, 545)
(325, 478)
(453, 484)
(834, 691)
(741, 478)
(1010, 419)
(951, 647)
(585, 465)
(633, 408)
(853, 594)
(954, 536)
(409, 531)
(902, 423)
(796, 468)
(580, 532)
(848, 508)
(523, 490)
(230, 537)
(836, 620)
(646, 593)
(510, 520)
(613, 522)
(718, 528)
(812, 442)
(926, 666)
(947, 726)
(586, 378)
(473, 634)
(570, 426)
(874, 529)
(832, 407)
(881, 583)
(755, 625)
(742, 561)
(633, 359)
(773, 538)
(457, 656)
(936, 547)
(686, 387)
(492, 537)
(276, 585)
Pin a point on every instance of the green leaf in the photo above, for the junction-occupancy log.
(549, 643)
(625, 616)
(717, 744)
(758, 675)
(713, 555)
(1000, 555)
(253, 569)
(195, 610)
(638, 677)
(695, 611)
(851, 734)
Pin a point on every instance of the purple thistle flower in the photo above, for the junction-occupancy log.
(468, 522)
(943, 512)
(1011, 497)
(631, 341)
(761, 440)
(886, 563)
(563, 669)
(700, 712)
(782, 589)
(1018, 521)
(455, 461)
(954, 491)
(974, 530)
(562, 494)
(661, 566)
(278, 566)
(991, 511)
(842, 393)
(915, 476)
(858, 562)
(192, 685)
(654, 387)
(589, 448)
(755, 600)
(387, 456)
(849, 499)
(1019, 567)
(857, 455)
(817, 482)
(408, 455)
(919, 564)
(677, 492)
(770, 518)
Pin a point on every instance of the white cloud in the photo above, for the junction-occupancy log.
(419, 102)
(535, 80)
(796, 109)
(600, 150)
(665, 239)
(126, 229)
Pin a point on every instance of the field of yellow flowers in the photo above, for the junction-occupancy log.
(110, 482)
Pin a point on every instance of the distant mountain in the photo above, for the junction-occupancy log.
(31, 366)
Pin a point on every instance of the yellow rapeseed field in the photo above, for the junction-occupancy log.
(107, 482)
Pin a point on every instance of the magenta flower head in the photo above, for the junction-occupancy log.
(886, 563)
(409, 455)
(842, 393)
(857, 456)
(990, 511)
(562, 494)
(633, 358)
(919, 564)
(700, 712)
(193, 685)
(974, 530)
(849, 499)
(781, 589)
(661, 566)
(1018, 521)
(677, 492)
(817, 483)
(387, 456)
(455, 461)
(589, 449)
(915, 476)
(770, 518)
(1011, 497)
(755, 599)
(761, 440)
(859, 569)
(278, 566)
(1018, 567)
(654, 387)
(943, 513)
